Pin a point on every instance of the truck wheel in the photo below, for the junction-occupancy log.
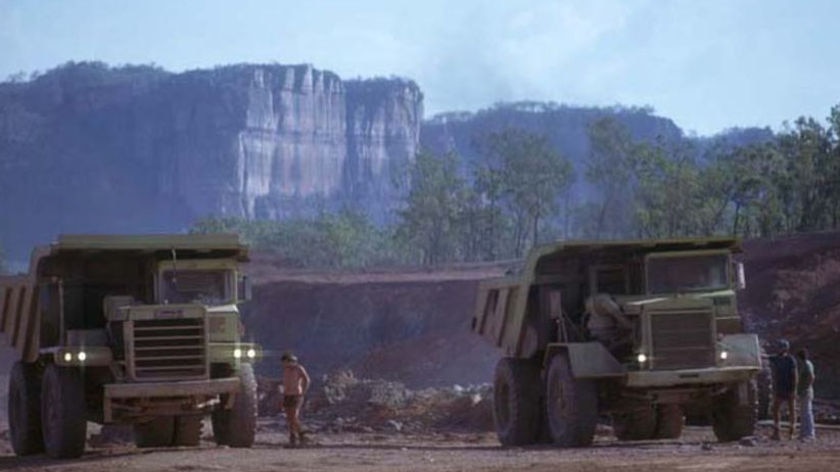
(516, 401)
(25, 409)
(236, 427)
(571, 405)
(669, 421)
(156, 433)
(732, 421)
(635, 425)
(63, 412)
(187, 431)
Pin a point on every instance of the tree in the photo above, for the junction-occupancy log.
(352, 240)
(526, 173)
(810, 192)
(486, 209)
(430, 221)
(609, 170)
(743, 183)
(343, 239)
(669, 194)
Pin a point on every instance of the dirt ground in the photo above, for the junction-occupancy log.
(453, 452)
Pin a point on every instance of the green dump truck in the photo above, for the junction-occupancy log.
(139, 330)
(645, 332)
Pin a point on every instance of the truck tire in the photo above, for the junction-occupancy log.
(159, 432)
(571, 405)
(63, 412)
(637, 424)
(669, 421)
(187, 431)
(516, 401)
(237, 426)
(25, 409)
(731, 421)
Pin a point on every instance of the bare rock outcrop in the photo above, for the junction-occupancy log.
(88, 148)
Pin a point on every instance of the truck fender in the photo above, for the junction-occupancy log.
(590, 360)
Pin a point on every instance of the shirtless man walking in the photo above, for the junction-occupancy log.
(295, 385)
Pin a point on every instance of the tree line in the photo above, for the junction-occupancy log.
(524, 192)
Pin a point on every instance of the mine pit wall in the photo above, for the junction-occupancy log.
(414, 332)
(793, 292)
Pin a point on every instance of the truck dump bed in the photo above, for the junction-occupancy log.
(18, 314)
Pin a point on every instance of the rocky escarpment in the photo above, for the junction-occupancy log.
(567, 129)
(90, 148)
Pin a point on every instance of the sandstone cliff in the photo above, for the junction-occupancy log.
(89, 148)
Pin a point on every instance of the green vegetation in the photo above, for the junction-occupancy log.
(433, 217)
(346, 239)
(522, 179)
(518, 195)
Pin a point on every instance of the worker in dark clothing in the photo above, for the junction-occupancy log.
(783, 367)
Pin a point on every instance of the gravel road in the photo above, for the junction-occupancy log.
(472, 452)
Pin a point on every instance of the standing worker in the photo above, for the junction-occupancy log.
(783, 366)
(805, 391)
(295, 385)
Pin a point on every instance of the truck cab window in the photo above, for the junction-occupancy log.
(202, 286)
(687, 273)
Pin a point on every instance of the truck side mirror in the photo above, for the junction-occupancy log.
(740, 278)
(245, 289)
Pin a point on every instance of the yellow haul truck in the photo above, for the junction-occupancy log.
(140, 330)
(646, 332)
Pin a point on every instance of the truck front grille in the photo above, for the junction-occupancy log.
(169, 349)
(682, 339)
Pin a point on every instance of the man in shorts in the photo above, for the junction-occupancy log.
(783, 366)
(295, 385)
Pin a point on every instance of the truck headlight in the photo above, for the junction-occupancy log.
(237, 353)
(251, 353)
(642, 358)
(724, 355)
(90, 356)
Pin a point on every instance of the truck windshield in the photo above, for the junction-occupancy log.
(687, 273)
(208, 287)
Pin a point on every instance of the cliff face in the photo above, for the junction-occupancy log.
(88, 148)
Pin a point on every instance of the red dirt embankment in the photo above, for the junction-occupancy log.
(407, 325)
(793, 292)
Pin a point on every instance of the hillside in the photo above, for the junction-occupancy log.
(566, 128)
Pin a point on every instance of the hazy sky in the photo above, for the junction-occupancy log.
(707, 64)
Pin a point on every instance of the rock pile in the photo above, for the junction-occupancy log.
(341, 402)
